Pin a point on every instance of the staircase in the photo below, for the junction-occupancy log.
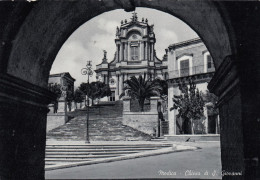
(104, 125)
(61, 156)
(104, 109)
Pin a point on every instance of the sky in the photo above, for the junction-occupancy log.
(98, 34)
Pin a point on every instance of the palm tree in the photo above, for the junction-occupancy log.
(140, 89)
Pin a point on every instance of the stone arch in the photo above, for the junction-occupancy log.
(31, 42)
(44, 33)
(129, 33)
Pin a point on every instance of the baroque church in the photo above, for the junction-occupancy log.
(135, 55)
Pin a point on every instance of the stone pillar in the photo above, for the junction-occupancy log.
(153, 104)
(172, 90)
(23, 114)
(206, 120)
(235, 83)
(126, 104)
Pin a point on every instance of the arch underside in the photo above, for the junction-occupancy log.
(48, 25)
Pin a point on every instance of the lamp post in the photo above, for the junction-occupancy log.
(87, 71)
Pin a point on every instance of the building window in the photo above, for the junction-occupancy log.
(209, 62)
(134, 51)
(184, 68)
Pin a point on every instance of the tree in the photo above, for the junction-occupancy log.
(95, 90)
(140, 89)
(55, 89)
(211, 103)
(78, 97)
(69, 98)
(189, 105)
(164, 88)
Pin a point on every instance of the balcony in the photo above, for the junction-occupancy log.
(190, 71)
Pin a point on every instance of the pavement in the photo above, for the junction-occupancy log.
(203, 162)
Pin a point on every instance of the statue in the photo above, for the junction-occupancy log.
(105, 54)
(117, 31)
(151, 28)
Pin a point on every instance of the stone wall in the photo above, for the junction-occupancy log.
(146, 122)
(56, 120)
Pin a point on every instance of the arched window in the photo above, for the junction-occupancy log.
(134, 51)
(209, 62)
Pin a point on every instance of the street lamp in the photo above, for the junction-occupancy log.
(87, 71)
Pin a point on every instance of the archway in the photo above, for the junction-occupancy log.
(34, 40)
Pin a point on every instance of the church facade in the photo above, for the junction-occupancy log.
(135, 55)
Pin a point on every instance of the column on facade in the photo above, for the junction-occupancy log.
(129, 51)
(152, 51)
(117, 53)
(146, 50)
(140, 50)
(126, 51)
(143, 50)
(120, 87)
(120, 52)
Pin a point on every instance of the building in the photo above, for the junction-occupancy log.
(63, 79)
(189, 59)
(67, 84)
(135, 55)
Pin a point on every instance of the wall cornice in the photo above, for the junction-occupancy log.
(13, 89)
(225, 77)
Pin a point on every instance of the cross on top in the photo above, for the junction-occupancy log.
(134, 17)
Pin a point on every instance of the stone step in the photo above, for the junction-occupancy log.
(80, 157)
(90, 152)
(52, 161)
(73, 155)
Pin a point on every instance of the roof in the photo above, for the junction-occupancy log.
(67, 74)
(185, 43)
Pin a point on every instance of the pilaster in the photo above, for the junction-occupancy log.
(23, 112)
(239, 127)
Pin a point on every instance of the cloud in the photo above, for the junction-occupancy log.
(107, 25)
(164, 38)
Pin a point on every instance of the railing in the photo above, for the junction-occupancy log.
(190, 71)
